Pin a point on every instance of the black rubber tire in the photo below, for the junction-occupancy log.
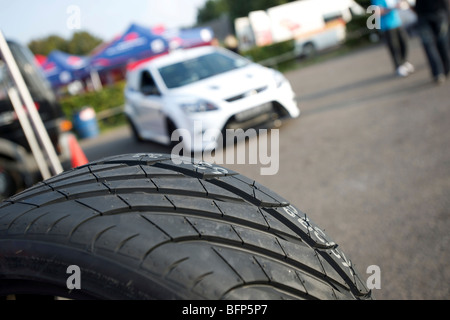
(171, 127)
(309, 50)
(141, 226)
(11, 180)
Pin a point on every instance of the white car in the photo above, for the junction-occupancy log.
(202, 92)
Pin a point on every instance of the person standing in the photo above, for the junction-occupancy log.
(433, 25)
(396, 36)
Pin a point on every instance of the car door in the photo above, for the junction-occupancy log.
(149, 108)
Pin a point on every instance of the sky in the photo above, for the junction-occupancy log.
(25, 20)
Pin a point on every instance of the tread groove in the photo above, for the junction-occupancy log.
(193, 227)
(33, 221)
(98, 235)
(172, 266)
(79, 225)
(50, 228)
(124, 241)
(156, 226)
(228, 264)
(87, 206)
(200, 278)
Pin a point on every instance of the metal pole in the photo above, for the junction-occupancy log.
(41, 132)
(29, 134)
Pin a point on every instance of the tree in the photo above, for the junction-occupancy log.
(235, 8)
(81, 43)
(211, 10)
(239, 8)
(364, 3)
(46, 45)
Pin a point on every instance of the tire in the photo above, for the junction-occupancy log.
(141, 226)
(135, 131)
(309, 50)
(171, 127)
(10, 179)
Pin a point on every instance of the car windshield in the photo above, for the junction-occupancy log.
(189, 71)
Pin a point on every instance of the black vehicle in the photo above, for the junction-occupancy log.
(18, 167)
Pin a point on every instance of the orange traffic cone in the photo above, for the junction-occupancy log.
(78, 158)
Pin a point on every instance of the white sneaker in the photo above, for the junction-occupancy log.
(409, 67)
(440, 79)
(402, 71)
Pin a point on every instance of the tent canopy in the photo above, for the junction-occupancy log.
(135, 44)
(61, 68)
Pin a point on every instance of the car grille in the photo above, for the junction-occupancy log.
(246, 94)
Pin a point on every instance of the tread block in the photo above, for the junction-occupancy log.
(233, 211)
(175, 226)
(184, 264)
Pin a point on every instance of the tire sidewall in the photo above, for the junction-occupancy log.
(27, 265)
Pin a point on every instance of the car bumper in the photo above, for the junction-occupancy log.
(205, 131)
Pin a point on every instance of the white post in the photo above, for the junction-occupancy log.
(29, 134)
(36, 120)
(96, 82)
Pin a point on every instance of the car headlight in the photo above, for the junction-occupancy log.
(279, 78)
(198, 106)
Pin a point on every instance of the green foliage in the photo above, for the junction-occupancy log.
(46, 45)
(364, 3)
(109, 97)
(262, 53)
(239, 8)
(81, 43)
(213, 9)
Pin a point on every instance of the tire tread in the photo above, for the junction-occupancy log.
(178, 217)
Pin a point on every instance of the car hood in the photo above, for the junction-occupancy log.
(229, 84)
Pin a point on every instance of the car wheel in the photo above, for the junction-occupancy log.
(135, 131)
(309, 50)
(171, 127)
(10, 179)
(146, 226)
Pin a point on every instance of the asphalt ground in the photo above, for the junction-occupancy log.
(368, 160)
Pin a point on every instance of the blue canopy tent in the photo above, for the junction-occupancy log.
(62, 68)
(136, 43)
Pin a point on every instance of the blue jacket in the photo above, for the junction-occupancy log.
(392, 19)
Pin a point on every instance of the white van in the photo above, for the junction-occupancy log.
(314, 24)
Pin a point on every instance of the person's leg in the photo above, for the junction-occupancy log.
(394, 47)
(404, 49)
(442, 41)
(403, 42)
(428, 40)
